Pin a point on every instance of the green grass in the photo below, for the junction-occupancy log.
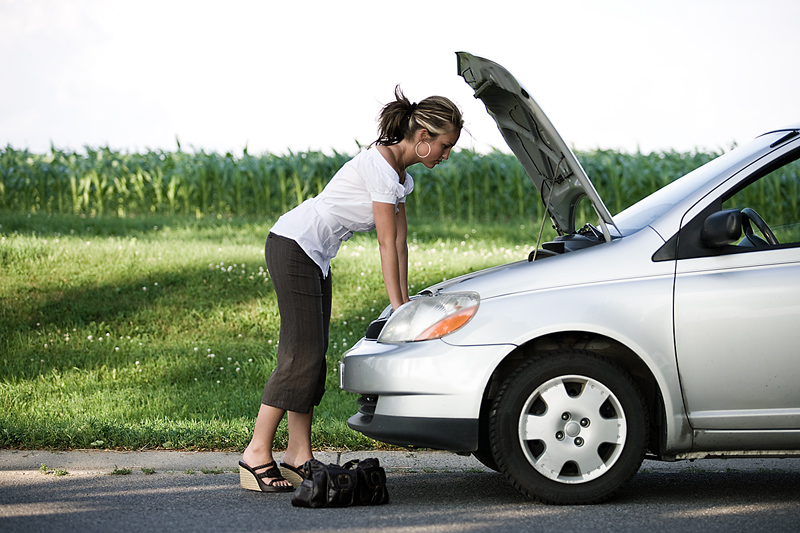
(160, 332)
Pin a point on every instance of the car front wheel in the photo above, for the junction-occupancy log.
(569, 428)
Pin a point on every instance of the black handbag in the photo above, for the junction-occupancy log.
(370, 482)
(341, 486)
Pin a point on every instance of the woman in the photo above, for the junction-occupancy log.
(367, 193)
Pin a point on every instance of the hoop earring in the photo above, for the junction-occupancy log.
(416, 150)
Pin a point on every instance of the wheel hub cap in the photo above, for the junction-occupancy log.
(572, 429)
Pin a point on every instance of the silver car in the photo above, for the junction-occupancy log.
(669, 331)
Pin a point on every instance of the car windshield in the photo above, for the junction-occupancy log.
(646, 211)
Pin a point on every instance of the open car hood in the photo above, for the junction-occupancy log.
(551, 165)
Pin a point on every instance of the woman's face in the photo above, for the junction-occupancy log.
(440, 148)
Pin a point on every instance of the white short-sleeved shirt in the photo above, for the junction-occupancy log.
(320, 224)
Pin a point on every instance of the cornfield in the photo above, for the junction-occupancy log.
(469, 187)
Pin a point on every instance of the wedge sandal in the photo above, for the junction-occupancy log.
(251, 481)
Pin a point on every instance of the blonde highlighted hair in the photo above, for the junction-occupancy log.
(401, 119)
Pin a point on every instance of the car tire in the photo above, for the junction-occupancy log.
(569, 427)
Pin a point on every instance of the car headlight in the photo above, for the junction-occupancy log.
(430, 317)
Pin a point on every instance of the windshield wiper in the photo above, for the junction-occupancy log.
(590, 229)
(790, 135)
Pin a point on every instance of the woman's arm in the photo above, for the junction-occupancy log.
(391, 229)
(401, 243)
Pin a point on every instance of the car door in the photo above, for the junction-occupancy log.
(737, 311)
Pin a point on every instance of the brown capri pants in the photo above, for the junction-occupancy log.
(304, 302)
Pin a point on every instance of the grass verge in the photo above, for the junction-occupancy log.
(160, 332)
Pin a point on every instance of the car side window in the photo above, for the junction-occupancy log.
(775, 198)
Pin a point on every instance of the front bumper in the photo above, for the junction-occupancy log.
(423, 394)
(451, 434)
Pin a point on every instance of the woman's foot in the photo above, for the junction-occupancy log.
(292, 468)
(271, 478)
(263, 478)
(293, 473)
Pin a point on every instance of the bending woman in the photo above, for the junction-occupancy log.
(367, 193)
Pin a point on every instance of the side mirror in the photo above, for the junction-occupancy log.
(722, 228)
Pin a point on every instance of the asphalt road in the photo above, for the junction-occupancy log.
(429, 492)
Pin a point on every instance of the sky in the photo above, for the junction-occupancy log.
(280, 76)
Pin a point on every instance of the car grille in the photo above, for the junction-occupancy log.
(375, 328)
(367, 405)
